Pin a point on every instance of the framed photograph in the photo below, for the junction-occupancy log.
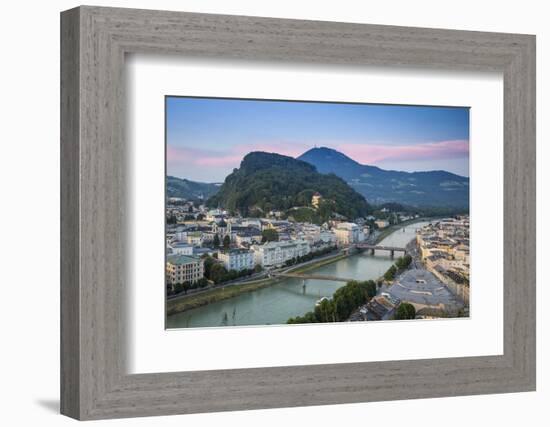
(262, 213)
(266, 228)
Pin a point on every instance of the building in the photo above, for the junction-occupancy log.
(215, 215)
(195, 238)
(313, 234)
(248, 237)
(181, 248)
(183, 268)
(221, 228)
(382, 223)
(316, 200)
(445, 250)
(275, 254)
(237, 259)
(381, 307)
(348, 233)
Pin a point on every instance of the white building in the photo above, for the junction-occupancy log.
(382, 223)
(180, 234)
(366, 230)
(215, 215)
(275, 254)
(316, 200)
(248, 238)
(181, 248)
(327, 237)
(195, 238)
(348, 233)
(237, 259)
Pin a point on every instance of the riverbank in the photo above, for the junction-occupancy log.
(392, 228)
(189, 302)
(316, 264)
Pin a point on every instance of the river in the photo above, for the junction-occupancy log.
(288, 298)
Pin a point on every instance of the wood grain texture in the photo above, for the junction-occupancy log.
(94, 272)
(70, 263)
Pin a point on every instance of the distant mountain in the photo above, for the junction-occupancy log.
(268, 181)
(422, 189)
(190, 190)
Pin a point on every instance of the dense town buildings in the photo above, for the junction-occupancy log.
(444, 248)
(194, 231)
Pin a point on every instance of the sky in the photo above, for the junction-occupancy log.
(208, 137)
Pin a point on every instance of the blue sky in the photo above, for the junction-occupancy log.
(207, 137)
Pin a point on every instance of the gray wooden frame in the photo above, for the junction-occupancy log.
(94, 41)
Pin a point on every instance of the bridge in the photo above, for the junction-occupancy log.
(373, 248)
(312, 276)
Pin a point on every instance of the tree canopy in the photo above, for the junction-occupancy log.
(270, 235)
(405, 311)
(268, 181)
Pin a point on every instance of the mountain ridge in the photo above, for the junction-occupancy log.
(437, 188)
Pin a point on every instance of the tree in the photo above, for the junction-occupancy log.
(226, 242)
(186, 286)
(403, 262)
(218, 273)
(216, 241)
(405, 311)
(202, 282)
(172, 219)
(178, 287)
(270, 235)
(390, 274)
(208, 263)
(370, 288)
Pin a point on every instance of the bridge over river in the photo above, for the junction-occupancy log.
(313, 276)
(373, 248)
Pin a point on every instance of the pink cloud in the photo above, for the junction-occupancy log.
(218, 161)
(232, 157)
(364, 153)
(286, 148)
(375, 153)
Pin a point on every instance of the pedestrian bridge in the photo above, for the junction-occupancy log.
(313, 276)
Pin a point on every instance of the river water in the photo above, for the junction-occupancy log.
(288, 298)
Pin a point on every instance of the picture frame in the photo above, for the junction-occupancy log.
(94, 380)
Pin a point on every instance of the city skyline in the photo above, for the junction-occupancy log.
(208, 137)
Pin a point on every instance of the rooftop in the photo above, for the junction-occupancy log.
(236, 251)
(181, 259)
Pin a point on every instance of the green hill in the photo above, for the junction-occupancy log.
(268, 181)
(190, 190)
